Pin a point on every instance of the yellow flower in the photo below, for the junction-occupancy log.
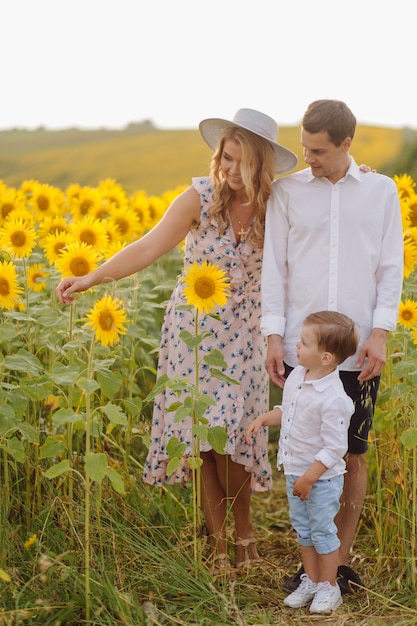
(126, 221)
(410, 256)
(46, 200)
(52, 225)
(54, 244)
(107, 318)
(412, 203)
(405, 185)
(112, 192)
(10, 200)
(30, 541)
(87, 201)
(17, 237)
(206, 287)
(140, 204)
(36, 274)
(407, 313)
(9, 287)
(77, 259)
(91, 231)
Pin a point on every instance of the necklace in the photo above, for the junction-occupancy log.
(243, 227)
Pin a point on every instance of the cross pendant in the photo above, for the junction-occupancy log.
(242, 234)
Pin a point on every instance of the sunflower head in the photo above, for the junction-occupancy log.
(9, 287)
(77, 259)
(206, 287)
(407, 313)
(107, 318)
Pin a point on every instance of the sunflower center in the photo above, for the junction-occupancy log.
(6, 208)
(18, 238)
(205, 287)
(42, 202)
(106, 320)
(122, 225)
(407, 315)
(88, 237)
(79, 266)
(4, 287)
(85, 206)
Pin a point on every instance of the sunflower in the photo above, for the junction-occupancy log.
(107, 318)
(46, 200)
(407, 313)
(412, 204)
(54, 244)
(206, 287)
(9, 287)
(157, 208)
(88, 201)
(77, 259)
(91, 231)
(127, 222)
(17, 237)
(10, 200)
(140, 204)
(113, 247)
(405, 185)
(112, 192)
(36, 274)
(52, 224)
(410, 256)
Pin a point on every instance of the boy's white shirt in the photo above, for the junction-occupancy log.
(315, 420)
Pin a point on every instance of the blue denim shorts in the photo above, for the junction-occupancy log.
(313, 519)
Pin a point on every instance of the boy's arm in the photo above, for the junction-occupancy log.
(271, 418)
(304, 483)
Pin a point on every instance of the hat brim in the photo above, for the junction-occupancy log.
(212, 129)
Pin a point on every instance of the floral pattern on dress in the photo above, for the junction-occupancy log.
(237, 335)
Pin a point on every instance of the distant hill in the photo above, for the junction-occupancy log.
(144, 157)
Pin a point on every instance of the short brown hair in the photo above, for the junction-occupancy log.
(335, 332)
(331, 116)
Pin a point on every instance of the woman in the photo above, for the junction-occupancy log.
(222, 218)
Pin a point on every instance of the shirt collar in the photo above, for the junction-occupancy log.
(353, 171)
(323, 383)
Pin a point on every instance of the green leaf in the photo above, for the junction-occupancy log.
(116, 480)
(115, 414)
(109, 382)
(15, 448)
(66, 416)
(215, 358)
(200, 432)
(409, 438)
(58, 469)
(133, 406)
(88, 386)
(96, 466)
(192, 341)
(182, 413)
(29, 432)
(217, 438)
(173, 465)
(221, 376)
(175, 447)
(64, 374)
(23, 361)
(194, 462)
(51, 447)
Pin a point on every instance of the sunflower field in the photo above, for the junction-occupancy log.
(83, 540)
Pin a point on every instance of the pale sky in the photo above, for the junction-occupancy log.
(106, 63)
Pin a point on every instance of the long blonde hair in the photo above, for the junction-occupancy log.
(257, 170)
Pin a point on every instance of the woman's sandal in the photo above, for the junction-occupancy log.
(248, 560)
(222, 564)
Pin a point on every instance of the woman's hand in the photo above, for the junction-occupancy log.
(69, 286)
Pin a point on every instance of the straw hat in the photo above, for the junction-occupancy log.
(256, 122)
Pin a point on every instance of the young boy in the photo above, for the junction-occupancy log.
(314, 421)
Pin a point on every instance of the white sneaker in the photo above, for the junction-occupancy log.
(328, 597)
(303, 594)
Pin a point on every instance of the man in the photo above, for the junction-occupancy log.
(334, 241)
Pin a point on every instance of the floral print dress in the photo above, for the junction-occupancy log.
(237, 335)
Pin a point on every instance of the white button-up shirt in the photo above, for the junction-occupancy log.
(315, 420)
(332, 246)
